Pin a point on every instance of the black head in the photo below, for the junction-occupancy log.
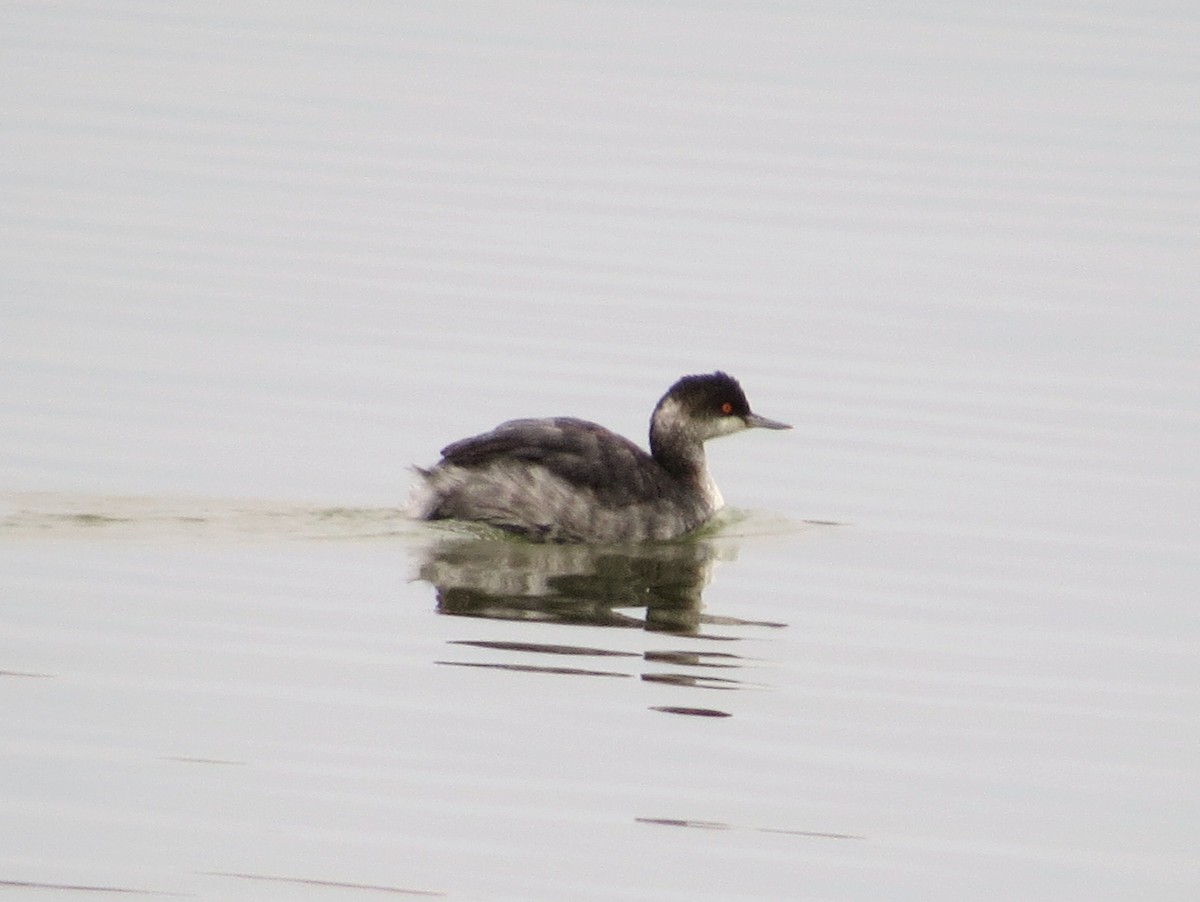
(710, 394)
(718, 400)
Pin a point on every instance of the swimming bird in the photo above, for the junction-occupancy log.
(563, 479)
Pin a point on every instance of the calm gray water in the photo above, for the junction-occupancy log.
(259, 259)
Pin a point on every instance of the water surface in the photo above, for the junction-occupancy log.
(258, 261)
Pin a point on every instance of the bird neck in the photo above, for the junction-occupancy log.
(675, 444)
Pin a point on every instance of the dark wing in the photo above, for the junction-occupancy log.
(578, 452)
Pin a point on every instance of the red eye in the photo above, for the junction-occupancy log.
(727, 408)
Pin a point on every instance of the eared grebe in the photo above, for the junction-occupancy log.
(567, 480)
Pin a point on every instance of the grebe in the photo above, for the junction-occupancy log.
(568, 480)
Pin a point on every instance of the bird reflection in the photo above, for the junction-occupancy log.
(654, 587)
(577, 584)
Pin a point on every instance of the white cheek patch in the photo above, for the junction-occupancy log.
(727, 426)
(672, 418)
